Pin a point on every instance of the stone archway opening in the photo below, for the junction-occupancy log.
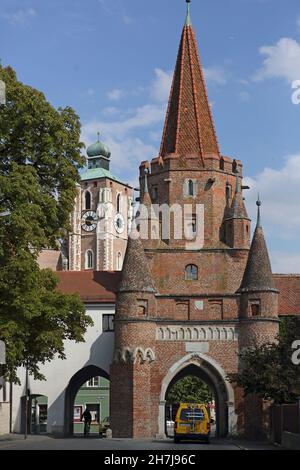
(210, 372)
(88, 388)
(190, 385)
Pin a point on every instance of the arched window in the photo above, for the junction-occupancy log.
(191, 273)
(191, 188)
(89, 259)
(234, 167)
(88, 200)
(119, 203)
(119, 262)
(222, 164)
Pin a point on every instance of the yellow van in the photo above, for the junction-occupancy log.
(192, 422)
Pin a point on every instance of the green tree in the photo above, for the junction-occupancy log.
(39, 161)
(189, 389)
(268, 371)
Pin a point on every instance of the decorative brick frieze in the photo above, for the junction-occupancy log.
(196, 333)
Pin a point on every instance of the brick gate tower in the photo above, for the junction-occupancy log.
(188, 308)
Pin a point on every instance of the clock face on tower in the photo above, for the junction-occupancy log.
(89, 221)
(119, 223)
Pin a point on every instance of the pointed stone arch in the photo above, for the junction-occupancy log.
(212, 373)
(82, 376)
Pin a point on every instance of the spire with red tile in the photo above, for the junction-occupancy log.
(189, 128)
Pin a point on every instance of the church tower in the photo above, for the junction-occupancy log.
(101, 217)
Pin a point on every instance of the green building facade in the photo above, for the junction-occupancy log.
(93, 395)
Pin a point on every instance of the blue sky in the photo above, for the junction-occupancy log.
(112, 61)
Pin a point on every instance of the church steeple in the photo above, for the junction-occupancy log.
(189, 128)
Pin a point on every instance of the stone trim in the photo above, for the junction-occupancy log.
(218, 377)
(137, 355)
(196, 333)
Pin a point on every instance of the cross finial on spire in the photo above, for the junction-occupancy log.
(258, 203)
(98, 134)
(188, 21)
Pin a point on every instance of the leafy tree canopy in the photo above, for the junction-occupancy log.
(189, 389)
(39, 161)
(268, 371)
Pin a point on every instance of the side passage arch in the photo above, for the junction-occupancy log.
(82, 376)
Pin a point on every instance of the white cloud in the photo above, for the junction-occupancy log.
(285, 262)
(161, 85)
(280, 194)
(144, 117)
(127, 19)
(244, 96)
(110, 111)
(20, 16)
(115, 95)
(282, 61)
(215, 75)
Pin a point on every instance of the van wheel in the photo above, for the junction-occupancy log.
(176, 440)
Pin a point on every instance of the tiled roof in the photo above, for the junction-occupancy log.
(95, 286)
(95, 173)
(92, 286)
(258, 273)
(136, 276)
(189, 128)
(289, 293)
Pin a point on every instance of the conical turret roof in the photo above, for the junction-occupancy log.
(237, 209)
(258, 273)
(136, 276)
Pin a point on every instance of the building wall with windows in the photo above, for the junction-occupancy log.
(97, 351)
(101, 218)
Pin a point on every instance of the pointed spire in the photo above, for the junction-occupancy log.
(258, 273)
(146, 200)
(258, 203)
(146, 180)
(237, 186)
(188, 21)
(136, 276)
(238, 209)
(189, 128)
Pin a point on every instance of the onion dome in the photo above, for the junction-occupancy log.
(98, 150)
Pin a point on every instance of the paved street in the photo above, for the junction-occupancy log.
(16, 442)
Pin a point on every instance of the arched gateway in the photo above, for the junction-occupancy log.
(168, 324)
(206, 369)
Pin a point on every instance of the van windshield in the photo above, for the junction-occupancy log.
(192, 415)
